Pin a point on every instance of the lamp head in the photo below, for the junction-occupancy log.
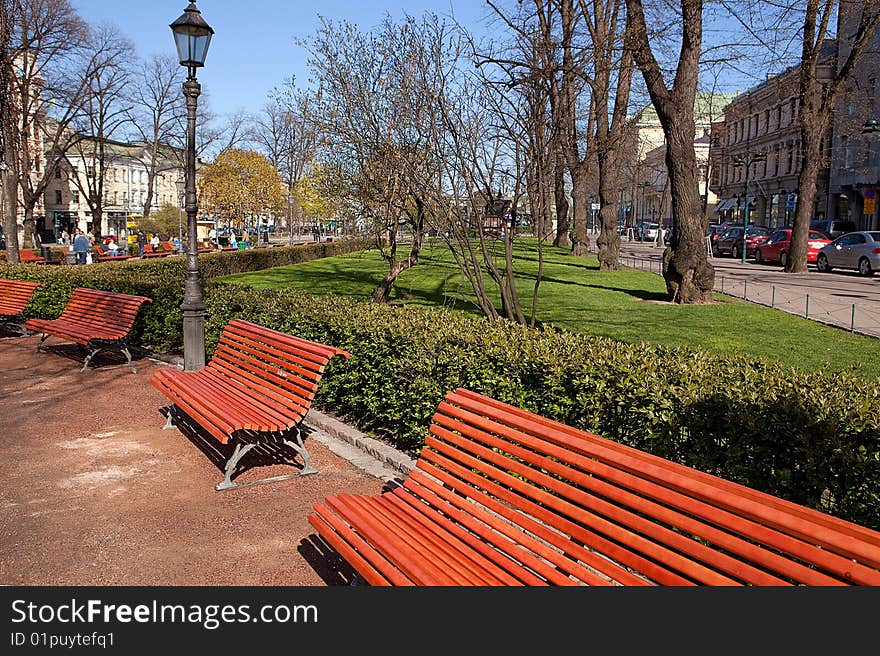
(192, 36)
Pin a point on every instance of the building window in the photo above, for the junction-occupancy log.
(58, 197)
(90, 171)
(74, 197)
(57, 173)
(115, 197)
(846, 144)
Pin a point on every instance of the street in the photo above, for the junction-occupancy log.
(841, 298)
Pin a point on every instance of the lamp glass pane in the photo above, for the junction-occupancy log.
(200, 48)
(182, 43)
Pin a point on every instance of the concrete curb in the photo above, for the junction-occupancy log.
(380, 452)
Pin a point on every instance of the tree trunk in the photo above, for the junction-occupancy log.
(608, 241)
(580, 236)
(563, 225)
(690, 277)
(807, 184)
(28, 226)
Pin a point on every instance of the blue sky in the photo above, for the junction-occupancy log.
(253, 48)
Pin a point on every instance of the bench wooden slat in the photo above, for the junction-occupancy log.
(646, 526)
(384, 573)
(507, 540)
(796, 534)
(544, 500)
(15, 296)
(268, 390)
(864, 539)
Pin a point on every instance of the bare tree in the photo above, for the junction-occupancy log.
(689, 275)
(610, 82)
(284, 131)
(105, 110)
(44, 67)
(156, 114)
(817, 102)
(376, 117)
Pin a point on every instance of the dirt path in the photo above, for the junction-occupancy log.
(96, 493)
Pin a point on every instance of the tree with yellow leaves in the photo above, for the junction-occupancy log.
(241, 183)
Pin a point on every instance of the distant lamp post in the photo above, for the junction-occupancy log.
(192, 36)
(289, 219)
(747, 160)
(181, 191)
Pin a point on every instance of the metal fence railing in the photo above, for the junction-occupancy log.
(855, 317)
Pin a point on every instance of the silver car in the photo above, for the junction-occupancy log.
(854, 250)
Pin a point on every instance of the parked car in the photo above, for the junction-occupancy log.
(776, 248)
(854, 250)
(649, 232)
(717, 229)
(731, 241)
(832, 227)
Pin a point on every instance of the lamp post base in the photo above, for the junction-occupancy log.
(193, 338)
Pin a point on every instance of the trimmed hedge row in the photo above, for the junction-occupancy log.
(811, 437)
(158, 325)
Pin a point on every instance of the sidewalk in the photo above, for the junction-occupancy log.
(843, 299)
(96, 493)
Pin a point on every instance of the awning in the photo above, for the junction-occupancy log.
(725, 205)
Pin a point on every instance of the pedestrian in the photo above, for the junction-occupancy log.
(141, 242)
(81, 247)
(65, 238)
(316, 232)
(233, 241)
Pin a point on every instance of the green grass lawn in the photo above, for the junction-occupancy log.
(627, 305)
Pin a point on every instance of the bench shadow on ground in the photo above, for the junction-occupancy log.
(264, 454)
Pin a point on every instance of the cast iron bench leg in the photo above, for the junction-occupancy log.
(238, 454)
(40, 345)
(302, 451)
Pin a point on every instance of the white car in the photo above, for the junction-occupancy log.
(854, 250)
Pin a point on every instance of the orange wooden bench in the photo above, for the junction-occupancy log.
(150, 251)
(258, 386)
(14, 298)
(29, 256)
(107, 256)
(501, 496)
(95, 319)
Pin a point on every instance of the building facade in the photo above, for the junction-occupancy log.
(755, 150)
(125, 185)
(646, 195)
(855, 155)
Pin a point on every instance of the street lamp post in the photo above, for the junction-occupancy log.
(181, 190)
(748, 159)
(192, 36)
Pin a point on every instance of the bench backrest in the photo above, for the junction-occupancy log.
(15, 295)
(25, 255)
(660, 522)
(283, 368)
(95, 307)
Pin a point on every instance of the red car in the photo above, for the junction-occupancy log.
(776, 248)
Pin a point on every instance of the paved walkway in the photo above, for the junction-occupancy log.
(96, 493)
(843, 299)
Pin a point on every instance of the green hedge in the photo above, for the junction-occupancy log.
(158, 325)
(813, 438)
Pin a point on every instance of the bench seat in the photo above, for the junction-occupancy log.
(258, 385)
(502, 496)
(98, 320)
(14, 298)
